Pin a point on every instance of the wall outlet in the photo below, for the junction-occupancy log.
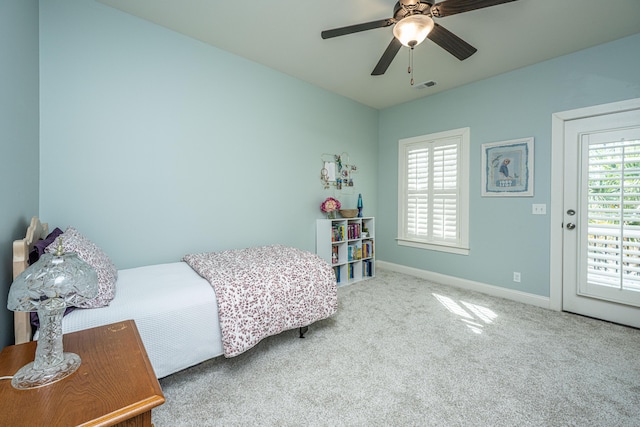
(516, 276)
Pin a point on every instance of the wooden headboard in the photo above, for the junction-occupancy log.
(21, 250)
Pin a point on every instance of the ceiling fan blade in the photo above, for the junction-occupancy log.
(451, 43)
(327, 34)
(453, 7)
(387, 57)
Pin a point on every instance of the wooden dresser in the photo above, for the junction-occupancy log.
(114, 386)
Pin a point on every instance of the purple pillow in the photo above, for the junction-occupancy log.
(35, 254)
(41, 245)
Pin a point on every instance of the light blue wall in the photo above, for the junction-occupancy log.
(155, 145)
(504, 235)
(18, 137)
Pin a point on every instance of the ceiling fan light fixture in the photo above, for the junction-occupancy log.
(412, 30)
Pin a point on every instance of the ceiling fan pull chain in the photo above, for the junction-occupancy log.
(410, 70)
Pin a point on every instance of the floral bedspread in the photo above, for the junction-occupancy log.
(262, 291)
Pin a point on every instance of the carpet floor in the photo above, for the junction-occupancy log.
(403, 351)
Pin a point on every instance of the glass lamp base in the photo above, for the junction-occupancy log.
(27, 377)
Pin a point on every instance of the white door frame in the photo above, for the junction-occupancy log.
(557, 183)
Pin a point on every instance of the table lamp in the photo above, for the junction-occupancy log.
(55, 281)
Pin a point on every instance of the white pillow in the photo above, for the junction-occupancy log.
(89, 252)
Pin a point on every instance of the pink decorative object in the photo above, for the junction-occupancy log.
(330, 204)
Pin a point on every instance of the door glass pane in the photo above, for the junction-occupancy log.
(613, 200)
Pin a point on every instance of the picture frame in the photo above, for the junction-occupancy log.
(507, 168)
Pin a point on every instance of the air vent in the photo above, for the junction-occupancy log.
(425, 85)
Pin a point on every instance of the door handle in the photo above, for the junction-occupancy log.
(571, 226)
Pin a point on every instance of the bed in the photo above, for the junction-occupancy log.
(188, 311)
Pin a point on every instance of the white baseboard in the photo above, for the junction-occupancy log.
(492, 290)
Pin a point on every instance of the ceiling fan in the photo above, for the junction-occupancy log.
(413, 23)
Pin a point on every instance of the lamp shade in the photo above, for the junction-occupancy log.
(412, 30)
(54, 276)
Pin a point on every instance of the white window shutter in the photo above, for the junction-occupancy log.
(417, 203)
(433, 191)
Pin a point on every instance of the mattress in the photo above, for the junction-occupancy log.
(174, 308)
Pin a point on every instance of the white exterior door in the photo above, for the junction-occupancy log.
(601, 217)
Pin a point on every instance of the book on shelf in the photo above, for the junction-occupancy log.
(353, 231)
(367, 249)
(337, 233)
(367, 267)
(354, 253)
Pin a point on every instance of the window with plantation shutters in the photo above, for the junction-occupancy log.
(433, 191)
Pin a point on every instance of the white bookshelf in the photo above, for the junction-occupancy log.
(343, 244)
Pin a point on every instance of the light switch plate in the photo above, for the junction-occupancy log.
(539, 209)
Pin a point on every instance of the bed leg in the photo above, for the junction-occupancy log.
(303, 330)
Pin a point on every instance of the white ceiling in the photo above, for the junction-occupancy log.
(285, 35)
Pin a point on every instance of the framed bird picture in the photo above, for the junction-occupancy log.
(507, 168)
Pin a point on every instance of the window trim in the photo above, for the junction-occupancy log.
(461, 247)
